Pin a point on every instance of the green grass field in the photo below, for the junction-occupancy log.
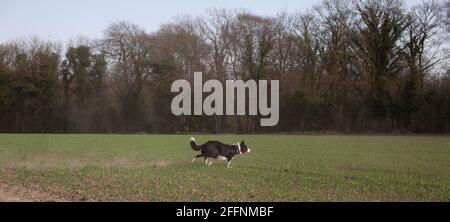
(280, 168)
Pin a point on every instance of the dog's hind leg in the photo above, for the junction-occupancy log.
(208, 161)
(198, 156)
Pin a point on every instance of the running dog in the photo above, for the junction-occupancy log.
(213, 150)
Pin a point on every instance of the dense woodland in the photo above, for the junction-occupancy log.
(344, 66)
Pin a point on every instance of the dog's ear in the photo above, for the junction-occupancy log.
(243, 142)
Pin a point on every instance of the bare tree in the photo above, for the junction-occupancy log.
(422, 47)
(215, 29)
(127, 48)
(381, 24)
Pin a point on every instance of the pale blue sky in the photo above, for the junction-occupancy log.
(62, 20)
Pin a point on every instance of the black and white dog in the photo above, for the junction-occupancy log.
(217, 150)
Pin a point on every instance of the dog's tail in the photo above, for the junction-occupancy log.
(194, 146)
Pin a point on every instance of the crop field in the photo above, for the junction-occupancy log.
(91, 167)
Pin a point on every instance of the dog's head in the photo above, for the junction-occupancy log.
(244, 147)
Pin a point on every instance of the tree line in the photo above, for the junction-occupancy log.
(343, 66)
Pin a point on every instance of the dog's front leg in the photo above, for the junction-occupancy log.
(229, 162)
